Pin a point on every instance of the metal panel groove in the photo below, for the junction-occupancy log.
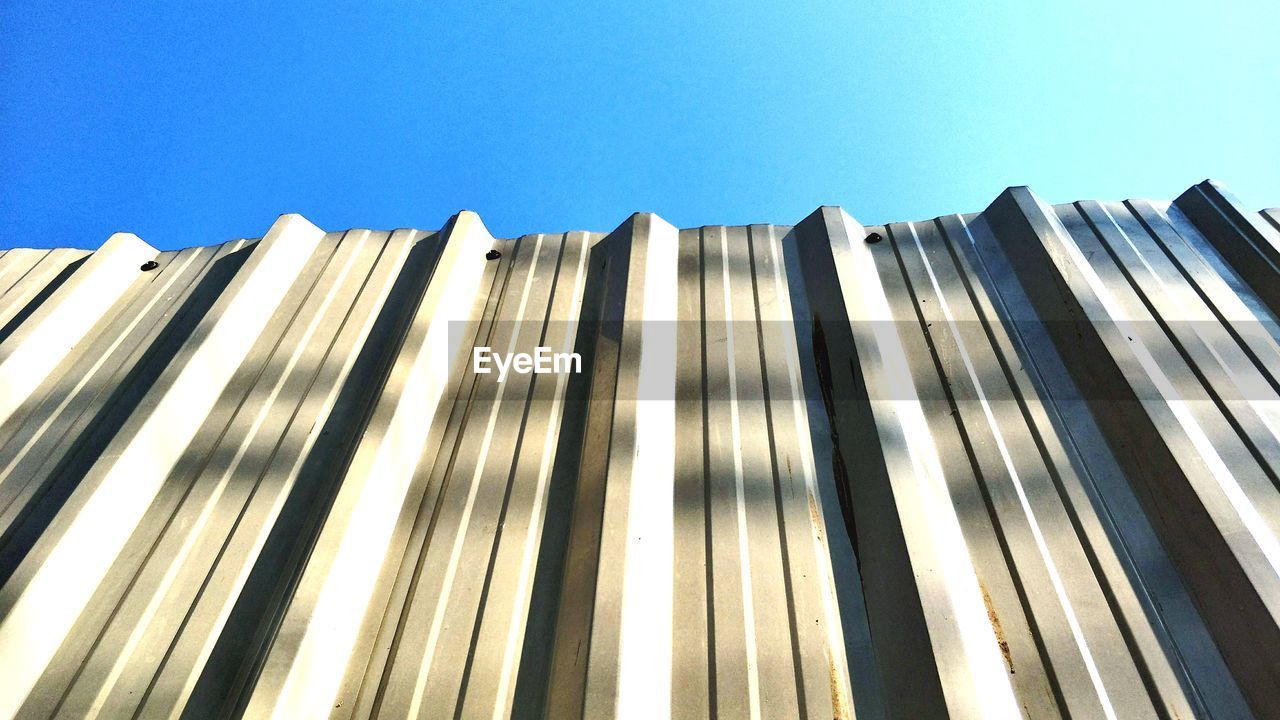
(1020, 462)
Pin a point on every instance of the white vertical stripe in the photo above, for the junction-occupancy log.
(193, 532)
(982, 660)
(822, 557)
(65, 319)
(502, 700)
(1248, 514)
(214, 631)
(1253, 321)
(744, 551)
(1054, 577)
(315, 670)
(644, 663)
(162, 293)
(460, 535)
(1251, 385)
(46, 605)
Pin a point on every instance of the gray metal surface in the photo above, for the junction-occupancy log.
(1020, 462)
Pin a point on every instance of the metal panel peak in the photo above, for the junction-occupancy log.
(1018, 462)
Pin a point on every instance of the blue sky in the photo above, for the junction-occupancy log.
(197, 123)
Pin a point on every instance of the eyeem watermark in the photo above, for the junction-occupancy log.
(835, 361)
(541, 361)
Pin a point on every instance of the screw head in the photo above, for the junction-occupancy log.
(149, 265)
(873, 238)
(492, 255)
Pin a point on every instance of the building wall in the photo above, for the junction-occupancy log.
(1017, 462)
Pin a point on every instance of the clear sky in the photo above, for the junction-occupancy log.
(200, 122)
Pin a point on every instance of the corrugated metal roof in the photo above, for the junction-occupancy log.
(1018, 462)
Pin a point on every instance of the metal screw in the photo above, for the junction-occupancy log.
(149, 265)
(873, 238)
(492, 255)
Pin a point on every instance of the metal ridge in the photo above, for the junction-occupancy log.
(1017, 463)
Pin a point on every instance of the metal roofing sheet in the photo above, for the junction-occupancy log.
(1017, 462)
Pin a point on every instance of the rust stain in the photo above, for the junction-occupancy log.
(838, 709)
(994, 619)
(816, 520)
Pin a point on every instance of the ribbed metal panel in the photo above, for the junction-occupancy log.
(1022, 462)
